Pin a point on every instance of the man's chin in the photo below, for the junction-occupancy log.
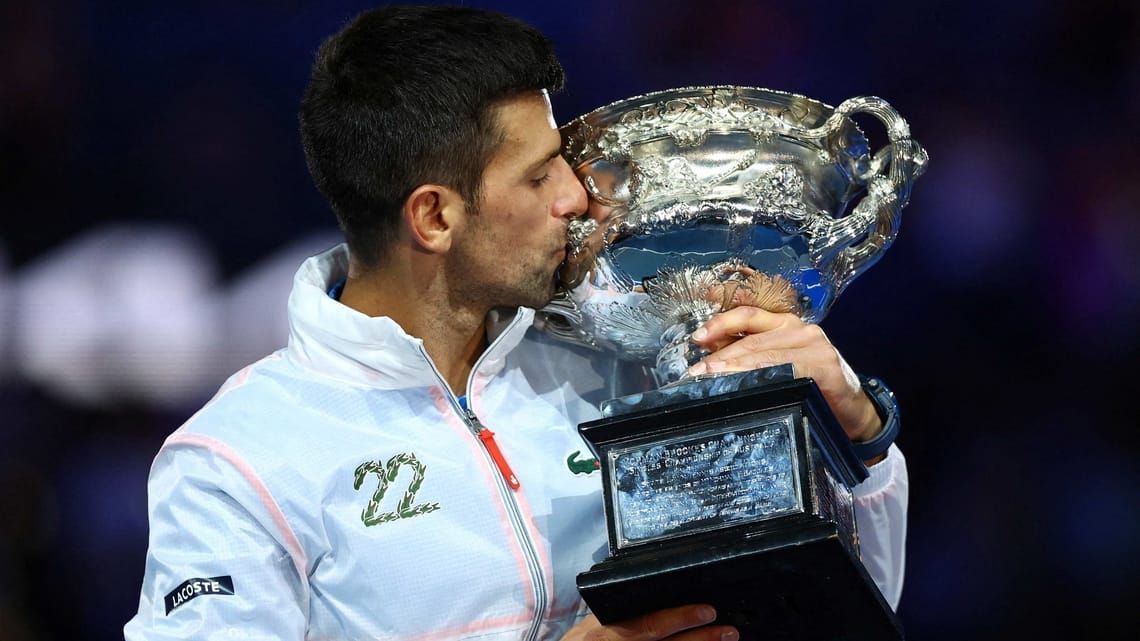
(542, 299)
(539, 303)
(536, 296)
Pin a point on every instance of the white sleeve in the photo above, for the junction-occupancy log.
(880, 515)
(216, 567)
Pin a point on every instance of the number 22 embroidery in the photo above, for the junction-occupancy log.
(387, 474)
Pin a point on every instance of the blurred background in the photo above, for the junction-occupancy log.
(154, 204)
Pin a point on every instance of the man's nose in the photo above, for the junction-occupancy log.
(572, 201)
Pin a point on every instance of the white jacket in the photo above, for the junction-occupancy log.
(337, 490)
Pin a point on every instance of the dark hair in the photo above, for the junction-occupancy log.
(404, 96)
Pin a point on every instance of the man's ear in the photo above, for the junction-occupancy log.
(431, 213)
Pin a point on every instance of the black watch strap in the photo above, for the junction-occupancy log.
(888, 409)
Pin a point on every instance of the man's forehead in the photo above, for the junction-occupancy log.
(530, 110)
(528, 125)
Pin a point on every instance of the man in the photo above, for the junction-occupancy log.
(399, 470)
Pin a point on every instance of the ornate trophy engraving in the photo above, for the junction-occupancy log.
(734, 489)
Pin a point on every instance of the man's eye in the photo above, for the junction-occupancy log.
(540, 181)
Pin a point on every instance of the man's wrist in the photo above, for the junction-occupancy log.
(871, 423)
(873, 447)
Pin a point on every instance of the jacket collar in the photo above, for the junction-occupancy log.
(338, 341)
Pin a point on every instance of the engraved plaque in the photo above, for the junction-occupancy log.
(705, 480)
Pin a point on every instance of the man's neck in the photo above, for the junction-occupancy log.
(454, 335)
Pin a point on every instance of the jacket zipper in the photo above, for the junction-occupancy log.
(488, 438)
(504, 484)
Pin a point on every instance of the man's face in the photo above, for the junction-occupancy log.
(510, 248)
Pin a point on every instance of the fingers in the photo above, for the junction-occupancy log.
(662, 624)
(686, 623)
(726, 327)
(680, 624)
(772, 346)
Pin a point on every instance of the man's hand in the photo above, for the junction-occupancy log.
(746, 338)
(687, 623)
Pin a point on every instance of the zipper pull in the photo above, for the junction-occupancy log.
(488, 438)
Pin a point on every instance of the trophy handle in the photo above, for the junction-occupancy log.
(888, 175)
(562, 318)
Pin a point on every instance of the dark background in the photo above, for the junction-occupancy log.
(155, 202)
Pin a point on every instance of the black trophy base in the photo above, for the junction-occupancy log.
(797, 584)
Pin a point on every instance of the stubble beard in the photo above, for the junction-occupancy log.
(532, 290)
(491, 287)
(541, 291)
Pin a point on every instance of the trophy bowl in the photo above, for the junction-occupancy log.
(704, 198)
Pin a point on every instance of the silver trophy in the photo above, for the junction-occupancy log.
(702, 199)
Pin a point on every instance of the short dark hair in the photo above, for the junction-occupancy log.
(403, 96)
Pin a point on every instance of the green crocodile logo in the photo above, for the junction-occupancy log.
(584, 466)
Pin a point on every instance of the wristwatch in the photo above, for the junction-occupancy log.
(888, 410)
